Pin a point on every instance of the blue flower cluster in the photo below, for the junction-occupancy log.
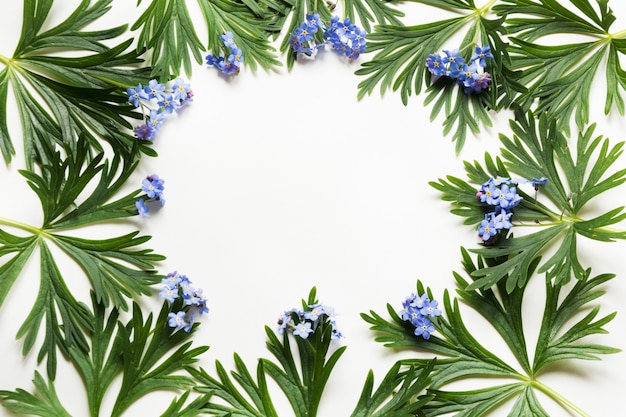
(158, 100)
(233, 62)
(344, 37)
(419, 310)
(176, 286)
(472, 76)
(153, 186)
(501, 194)
(303, 323)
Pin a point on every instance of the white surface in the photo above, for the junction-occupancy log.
(276, 182)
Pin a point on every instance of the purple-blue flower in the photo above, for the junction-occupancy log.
(303, 329)
(316, 311)
(153, 186)
(154, 89)
(480, 54)
(180, 90)
(168, 104)
(430, 308)
(487, 229)
(435, 65)
(424, 328)
(142, 209)
(169, 293)
(228, 39)
(135, 95)
(171, 280)
(177, 320)
(144, 132)
(156, 119)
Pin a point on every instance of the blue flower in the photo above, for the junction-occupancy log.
(171, 280)
(144, 132)
(489, 194)
(501, 220)
(189, 323)
(153, 186)
(453, 58)
(478, 83)
(508, 197)
(168, 104)
(135, 95)
(177, 320)
(466, 75)
(424, 328)
(313, 22)
(480, 54)
(142, 209)
(435, 65)
(181, 90)
(303, 329)
(156, 119)
(487, 229)
(169, 293)
(316, 311)
(154, 89)
(536, 182)
(430, 309)
(228, 39)
(235, 57)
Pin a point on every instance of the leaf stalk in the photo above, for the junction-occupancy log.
(558, 398)
(22, 226)
(5, 60)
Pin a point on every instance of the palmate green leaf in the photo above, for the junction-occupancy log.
(399, 65)
(65, 318)
(180, 408)
(249, 398)
(60, 97)
(147, 357)
(459, 355)
(562, 76)
(167, 30)
(474, 403)
(76, 191)
(150, 361)
(390, 401)
(575, 178)
(45, 404)
(366, 12)
(302, 374)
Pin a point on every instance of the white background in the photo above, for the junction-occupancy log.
(280, 181)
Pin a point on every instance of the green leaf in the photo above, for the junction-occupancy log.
(562, 76)
(458, 354)
(555, 341)
(58, 97)
(168, 32)
(148, 358)
(150, 362)
(576, 178)
(474, 403)
(76, 191)
(45, 404)
(400, 57)
(65, 318)
(390, 401)
(251, 398)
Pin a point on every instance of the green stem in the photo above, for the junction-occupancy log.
(6, 61)
(486, 8)
(619, 35)
(564, 402)
(23, 226)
